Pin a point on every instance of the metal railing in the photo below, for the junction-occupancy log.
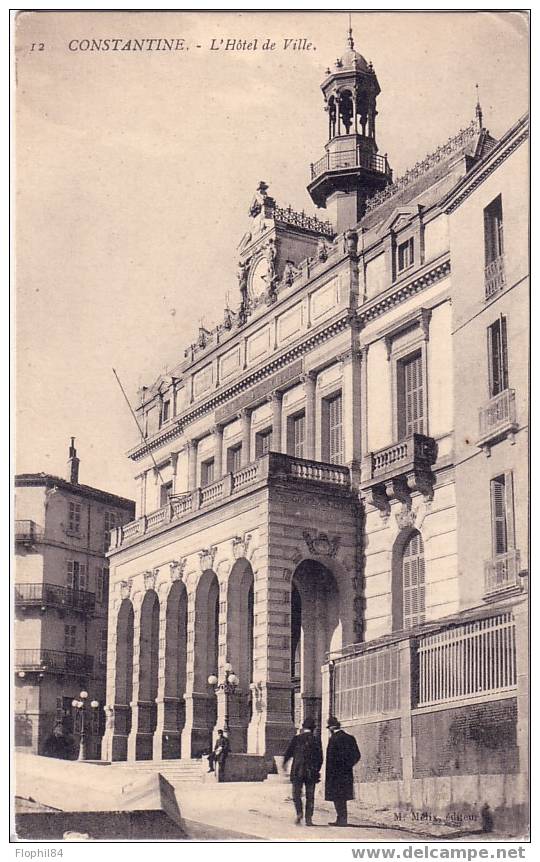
(502, 572)
(353, 158)
(54, 595)
(472, 659)
(287, 215)
(495, 278)
(367, 684)
(498, 415)
(51, 661)
(27, 531)
(272, 464)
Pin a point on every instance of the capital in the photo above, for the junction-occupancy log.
(275, 397)
(309, 377)
(217, 429)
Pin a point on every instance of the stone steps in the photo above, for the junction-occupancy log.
(172, 770)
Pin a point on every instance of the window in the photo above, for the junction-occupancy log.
(493, 231)
(332, 430)
(102, 657)
(207, 472)
(502, 514)
(164, 492)
(77, 575)
(497, 357)
(296, 432)
(70, 637)
(410, 384)
(165, 411)
(414, 580)
(74, 517)
(263, 442)
(102, 584)
(405, 254)
(234, 458)
(110, 524)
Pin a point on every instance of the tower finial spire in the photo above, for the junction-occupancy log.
(479, 115)
(350, 39)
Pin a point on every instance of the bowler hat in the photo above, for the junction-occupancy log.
(308, 723)
(333, 722)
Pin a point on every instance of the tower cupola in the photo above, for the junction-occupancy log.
(351, 169)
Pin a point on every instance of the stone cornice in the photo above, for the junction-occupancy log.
(399, 293)
(492, 161)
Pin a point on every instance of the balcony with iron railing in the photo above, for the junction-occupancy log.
(27, 532)
(396, 470)
(495, 279)
(52, 661)
(502, 573)
(269, 467)
(497, 418)
(356, 157)
(44, 596)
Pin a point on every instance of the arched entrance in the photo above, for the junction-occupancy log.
(148, 676)
(123, 681)
(240, 649)
(174, 713)
(205, 660)
(315, 629)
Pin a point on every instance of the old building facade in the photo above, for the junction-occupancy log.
(62, 532)
(298, 481)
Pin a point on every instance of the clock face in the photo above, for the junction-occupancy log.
(258, 283)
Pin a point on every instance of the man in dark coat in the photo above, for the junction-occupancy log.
(342, 754)
(306, 752)
(59, 744)
(218, 756)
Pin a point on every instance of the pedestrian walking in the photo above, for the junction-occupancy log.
(218, 757)
(305, 750)
(59, 744)
(342, 754)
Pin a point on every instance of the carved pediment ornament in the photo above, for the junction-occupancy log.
(150, 578)
(406, 517)
(207, 557)
(125, 589)
(320, 544)
(176, 568)
(240, 545)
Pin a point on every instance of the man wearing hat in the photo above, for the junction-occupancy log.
(306, 752)
(342, 754)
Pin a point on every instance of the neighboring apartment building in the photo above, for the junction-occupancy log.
(298, 494)
(62, 533)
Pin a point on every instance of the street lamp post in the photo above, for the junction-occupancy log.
(228, 687)
(81, 707)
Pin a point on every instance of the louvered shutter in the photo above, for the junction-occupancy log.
(498, 514)
(414, 395)
(504, 355)
(414, 589)
(335, 429)
(83, 576)
(299, 431)
(509, 505)
(70, 574)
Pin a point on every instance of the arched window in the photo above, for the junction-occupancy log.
(413, 582)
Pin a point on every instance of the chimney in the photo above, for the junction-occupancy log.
(73, 464)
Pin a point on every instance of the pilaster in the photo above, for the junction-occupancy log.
(310, 381)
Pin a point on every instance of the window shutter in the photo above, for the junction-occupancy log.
(504, 354)
(70, 574)
(491, 363)
(498, 514)
(509, 505)
(83, 576)
(414, 578)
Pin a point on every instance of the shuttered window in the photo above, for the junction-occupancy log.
(207, 472)
(263, 442)
(493, 231)
(497, 357)
(70, 637)
(77, 575)
(414, 582)
(296, 432)
(502, 513)
(410, 396)
(74, 522)
(109, 524)
(234, 458)
(335, 430)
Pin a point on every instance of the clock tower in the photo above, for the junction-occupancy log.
(351, 169)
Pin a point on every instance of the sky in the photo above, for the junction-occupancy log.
(134, 172)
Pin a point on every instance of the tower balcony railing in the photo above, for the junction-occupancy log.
(355, 157)
(502, 573)
(27, 532)
(55, 596)
(497, 418)
(53, 661)
(272, 466)
(495, 278)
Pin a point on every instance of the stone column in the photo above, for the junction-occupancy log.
(245, 418)
(174, 465)
(271, 726)
(159, 741)
(141, 496)
(108, 746)
(276, 399)
(218, 451)
(132, 738)
(191, 446)
(310, 381)
(199, 699)
(364, 443)
(351, 364)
